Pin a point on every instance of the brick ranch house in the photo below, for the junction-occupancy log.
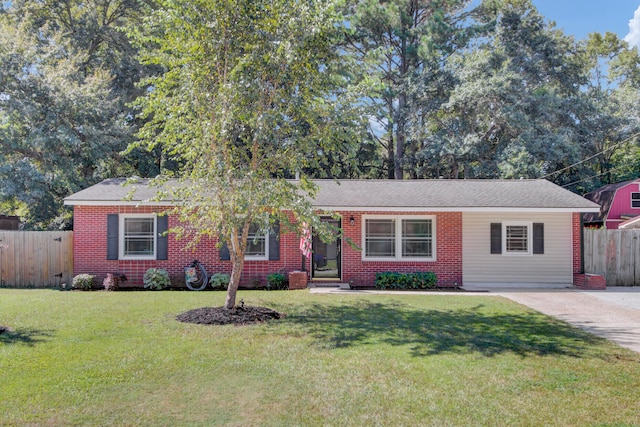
(468, 232)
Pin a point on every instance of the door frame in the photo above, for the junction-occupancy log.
(338, 241)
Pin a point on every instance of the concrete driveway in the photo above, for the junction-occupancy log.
(613, 314)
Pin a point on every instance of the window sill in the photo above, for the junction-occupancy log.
(137, 258)
(256, 258)
(413, 259)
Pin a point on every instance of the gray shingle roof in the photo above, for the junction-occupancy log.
(112, 190)
(393, 195)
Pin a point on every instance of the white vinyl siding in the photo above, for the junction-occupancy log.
(555, 266)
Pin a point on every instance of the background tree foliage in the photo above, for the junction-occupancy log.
(246, 98)
(609, 125)
(392, 46)
(66, 76)
(414, 88)
(511, 112)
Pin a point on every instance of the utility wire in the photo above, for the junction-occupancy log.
(595, 155)
(593, 176)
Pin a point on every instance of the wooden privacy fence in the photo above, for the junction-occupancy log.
(37, 259)
(614, 255)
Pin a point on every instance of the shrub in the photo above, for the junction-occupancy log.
(392, 280)
(219, 281)
(277, 281)
(112, 281)
(156, 279)
(257, 282)
(83, 282)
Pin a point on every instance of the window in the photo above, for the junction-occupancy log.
(380, 238)
(138, 236)
(257, 245)
(635, 200)
(398, 238)
(260, 246)
(517, 238)
(416, 238)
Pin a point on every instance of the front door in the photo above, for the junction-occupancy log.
(326, 256)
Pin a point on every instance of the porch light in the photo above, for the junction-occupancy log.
(352, 220)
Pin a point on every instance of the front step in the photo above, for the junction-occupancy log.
(315, 284)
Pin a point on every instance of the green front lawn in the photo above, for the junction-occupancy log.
(100, 358)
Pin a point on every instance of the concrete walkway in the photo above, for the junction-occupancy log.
(613, 314)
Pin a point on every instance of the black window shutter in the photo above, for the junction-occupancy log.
(274, 243)
(496, 238)
(225, 255)
(162, 223)
(112, 236)
(538, 238)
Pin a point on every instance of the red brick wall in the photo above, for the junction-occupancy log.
(577, 246)
(90, 251)
(448, 264)
(589, 281)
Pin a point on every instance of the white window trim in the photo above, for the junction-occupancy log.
(121, 254)
(529, 225)
(631, 200)
(264, 257)
(398, 238)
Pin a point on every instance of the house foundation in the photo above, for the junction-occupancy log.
(589, 281)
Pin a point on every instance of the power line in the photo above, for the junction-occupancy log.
(593, 176)
(591, 157)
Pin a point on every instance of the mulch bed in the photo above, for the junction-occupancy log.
(245, 315)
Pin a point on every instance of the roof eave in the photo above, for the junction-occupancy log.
(115, 203)
(359, 208)
(459, 209)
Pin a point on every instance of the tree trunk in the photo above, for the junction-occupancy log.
(400, 138)
(455, 168)
(391, 156)
(234, 282)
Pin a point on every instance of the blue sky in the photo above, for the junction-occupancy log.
(581, 17)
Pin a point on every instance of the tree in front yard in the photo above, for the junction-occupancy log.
(244, 101)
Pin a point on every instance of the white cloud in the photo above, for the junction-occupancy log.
(633, 38)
